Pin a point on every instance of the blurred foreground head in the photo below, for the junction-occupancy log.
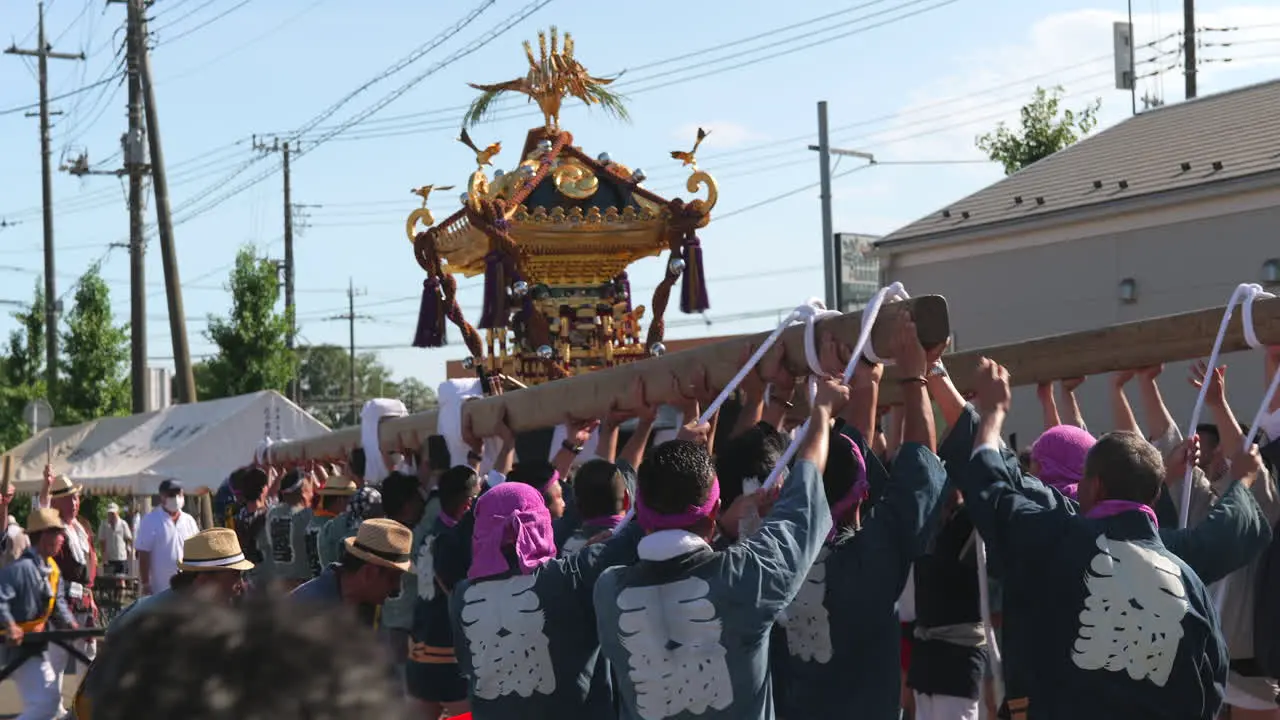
(264, 660)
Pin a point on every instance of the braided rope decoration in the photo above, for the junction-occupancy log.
(424, 249)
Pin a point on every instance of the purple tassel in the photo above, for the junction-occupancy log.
(494, 314)
(431, 317)
(693, 293)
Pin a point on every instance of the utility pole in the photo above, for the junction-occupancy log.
(1189, 44)
(186, 382)
(828, 238)
(290, 308)
(135, 164)
(134, 151)
(351, 317)
(42, 53)
(831, 273)
(351, 325)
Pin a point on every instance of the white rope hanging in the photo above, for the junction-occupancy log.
(808, 313)
(1244, 296)
(984, 604)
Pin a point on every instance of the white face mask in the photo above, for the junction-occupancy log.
(174, 504)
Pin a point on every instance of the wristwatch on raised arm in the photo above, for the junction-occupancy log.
(937, 370)
(575, 449)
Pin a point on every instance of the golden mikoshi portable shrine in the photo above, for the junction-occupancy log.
(554, 236)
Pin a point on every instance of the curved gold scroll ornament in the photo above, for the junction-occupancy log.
(703, 207)
(574, 180)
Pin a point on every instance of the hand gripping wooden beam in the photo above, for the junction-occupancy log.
(591, 395)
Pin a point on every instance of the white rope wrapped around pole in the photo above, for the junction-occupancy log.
(809, 313)
(1244, 295)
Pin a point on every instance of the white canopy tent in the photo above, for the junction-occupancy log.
(199, 444)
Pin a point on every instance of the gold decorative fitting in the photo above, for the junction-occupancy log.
(573, 179)
(696, 181)
(422, 214)
(477, 188)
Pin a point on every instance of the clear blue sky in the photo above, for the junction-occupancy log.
(908, 80)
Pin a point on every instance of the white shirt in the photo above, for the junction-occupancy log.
(162, 537)
(115, 539)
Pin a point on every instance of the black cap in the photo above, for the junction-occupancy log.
(169, 487)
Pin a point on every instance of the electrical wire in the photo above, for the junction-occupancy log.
(417, 54)
(204, 24)
(488, 37)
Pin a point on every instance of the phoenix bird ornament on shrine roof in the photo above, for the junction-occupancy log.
(553, 75)
(483, 157)
(690, 157)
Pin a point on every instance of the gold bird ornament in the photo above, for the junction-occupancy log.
(689, 157)
(483, 157)
(425, 191)
(422, 214)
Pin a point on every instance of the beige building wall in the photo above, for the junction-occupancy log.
(1018, 287)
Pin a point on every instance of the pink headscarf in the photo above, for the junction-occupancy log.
(841, 443)
(1060, 453)
(511, 515)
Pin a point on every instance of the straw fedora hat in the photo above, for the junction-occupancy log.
(63, 487)
(382, 542)
(213, 550)
(44, 519)
(339, 485)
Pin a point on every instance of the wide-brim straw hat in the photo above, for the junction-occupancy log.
(339, 486)
(63, 487)
(384, 542)
(213, 550)
(44, 519)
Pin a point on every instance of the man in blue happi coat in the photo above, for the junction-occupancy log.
(1124, 628)
(842, 630)
(687, 628)
(523, 623)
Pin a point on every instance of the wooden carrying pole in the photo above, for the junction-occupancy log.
(593, 394)
(1128, 346)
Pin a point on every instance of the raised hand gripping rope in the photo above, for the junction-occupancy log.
(808, 313)
(1244, 296)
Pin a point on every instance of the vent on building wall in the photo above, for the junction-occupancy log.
(965, 214)
(1039, 199)
(1186, 167)
(1271, 272)
(1124, 184)
(1097, 184)
(946, 213)
(1128, 291)
(1017, 199)
(1217, 165)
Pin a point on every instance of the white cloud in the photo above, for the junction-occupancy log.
(723, 135)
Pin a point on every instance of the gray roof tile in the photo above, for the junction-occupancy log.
(1169, 148)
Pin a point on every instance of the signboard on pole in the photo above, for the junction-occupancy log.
(858, 271)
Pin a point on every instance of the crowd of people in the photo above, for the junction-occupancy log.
(672, 580)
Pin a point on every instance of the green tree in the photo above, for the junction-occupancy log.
(252, 354)
(1045, 130)
(324, 382)
(416, 395)
(95, 361)
(23, 368)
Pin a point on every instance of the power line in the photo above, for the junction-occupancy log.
(63, 96)
(205, 24)
(417, 54)
(493, 34)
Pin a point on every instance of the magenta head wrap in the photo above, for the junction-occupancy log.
(1059, 454)
(511, 515)
(843, 444)
(652, 520)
